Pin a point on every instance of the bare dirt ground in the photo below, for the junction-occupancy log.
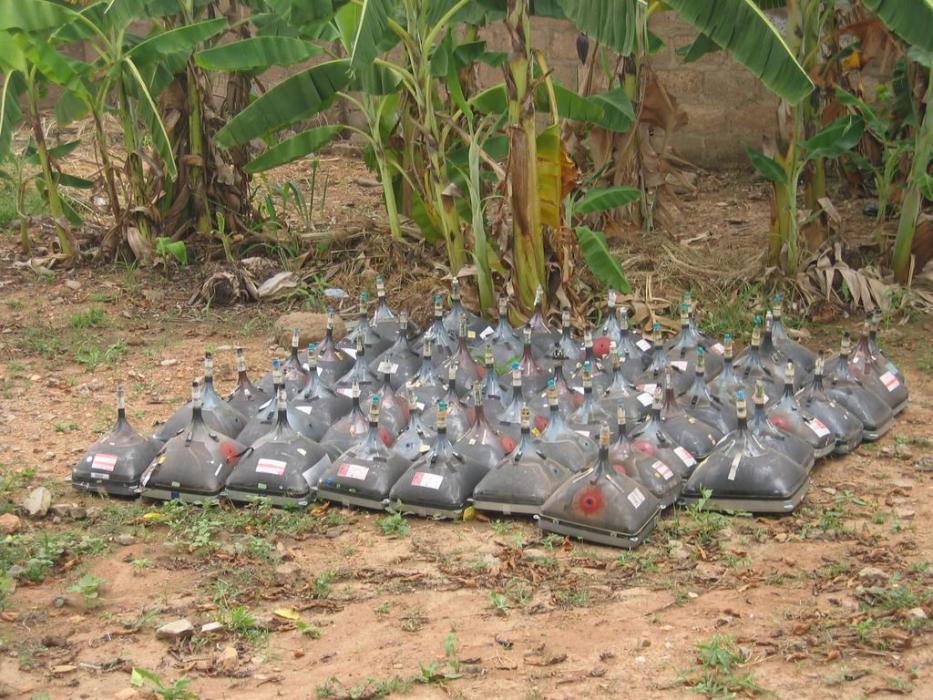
(830, 601)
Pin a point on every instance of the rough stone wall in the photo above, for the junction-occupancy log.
(728, 107)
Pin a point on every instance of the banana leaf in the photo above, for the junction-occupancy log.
(612, 22)
(618, 113)
(371, 32)
(768, 167)
(836, 138)
(257, 54)
(33, 15)
(911, 20)
(292, 100)
(601, 199)
(291, 149)
(180, 40)
(602, 263)
(743, 30)
(10, 113)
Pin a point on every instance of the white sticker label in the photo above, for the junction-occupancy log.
(636, 498)
(104, 462)
(645, 399)
(663, 470)
(351, 352)
(487, 332)
(271, 466)
(733, 470)
(679, 365)
(353, 471)
(818, 427)
(890, 381)
(304, 409)
(648, 388)
(643, 345)
(584, 433)
(386, 367)
(718, 348)
(578, 389)
(101, 475)
(428, 481)
(685, 456)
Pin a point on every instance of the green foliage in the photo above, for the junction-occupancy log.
(394, 525)
(602, 263)
(94, 317)
(141, 678)
(719, 675)
(167, 249)
(89, 588)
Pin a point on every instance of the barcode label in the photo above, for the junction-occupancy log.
(426, 480)
(890, 381)
(648, 388)
(662, 470)
(643, 345)
(718, 348)
(353, 471)
(104, 462)
(304, 409)
(271, 466)
(645, 399)
(488, 331)
(636, 498)
(818, 427)
(386, 367)
(679, 365)
(584, 433)
(685, 456)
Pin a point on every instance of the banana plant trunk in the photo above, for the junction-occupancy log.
(527, 236)
(913, 198)
(113, 237)
(66, 239)
(197, 171)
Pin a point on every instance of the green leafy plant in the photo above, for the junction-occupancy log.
(166, 249)
(719, 673)
(178, 690)
(394, 525)
(89, 587)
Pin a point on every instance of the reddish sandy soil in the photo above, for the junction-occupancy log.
(475, 609)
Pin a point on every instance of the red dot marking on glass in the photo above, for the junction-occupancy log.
(229, 452)
(540, 422)
(601, 347)
(643, 446)
(508, 444)
(619, 468)
(385, 437)
(481, 371)
(591, 500)
(779, 422)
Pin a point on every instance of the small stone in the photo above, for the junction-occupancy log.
(640, 659)
(59, 601)
(173, 631)
(169, 362)
(15, 571)
(335, 532)
(905, 453)
(124, 539)
(61, 510)
(925, 464)
(917, 614)
(10, 523)
(533, 554)
(886, 451)
(38, 502)
(872, 575)
(212, 628)
(287, 570)
(692, 595)
(63, 669)
(311, 328)
(781, 537)
(73, 285)
(228, 659)
(904, 513)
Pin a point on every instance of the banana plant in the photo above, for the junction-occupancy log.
(912, 22)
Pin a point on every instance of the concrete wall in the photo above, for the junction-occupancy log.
(728, 107)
